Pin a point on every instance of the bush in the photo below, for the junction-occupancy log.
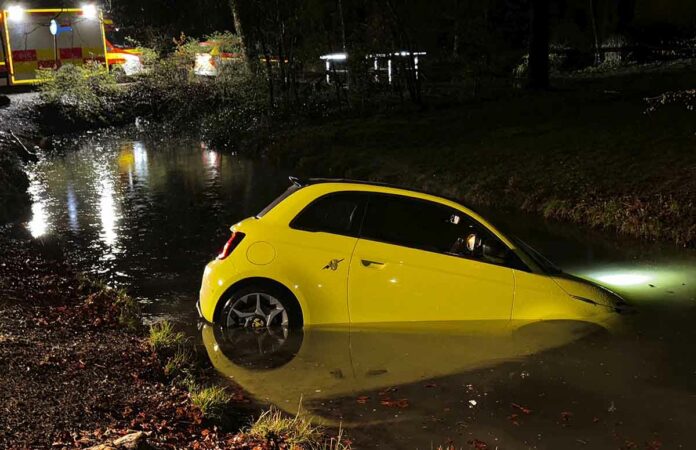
(224, 108)
(187, 47)
(148, 56)
(81, 91)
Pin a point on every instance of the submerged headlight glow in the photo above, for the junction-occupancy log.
(623, 279)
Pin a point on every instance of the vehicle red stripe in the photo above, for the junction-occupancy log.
(71, 53)
(24, 55)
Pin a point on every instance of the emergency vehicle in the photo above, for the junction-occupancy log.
(119, 54)
(33, 39)
(211, 57)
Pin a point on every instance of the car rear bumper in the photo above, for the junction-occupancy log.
(198, 308)
(212, 287)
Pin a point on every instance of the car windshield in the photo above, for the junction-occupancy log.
(543, 262)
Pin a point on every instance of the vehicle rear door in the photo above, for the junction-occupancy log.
(317, 250)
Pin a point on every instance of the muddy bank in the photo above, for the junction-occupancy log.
(74, 374)
(17, 128)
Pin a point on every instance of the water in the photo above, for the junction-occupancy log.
(147, 214)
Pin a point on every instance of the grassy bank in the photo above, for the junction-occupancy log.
(77, 369)
(587, 153)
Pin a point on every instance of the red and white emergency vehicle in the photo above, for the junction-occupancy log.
(32, 39)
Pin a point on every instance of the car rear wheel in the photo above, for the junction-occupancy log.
(260, 306)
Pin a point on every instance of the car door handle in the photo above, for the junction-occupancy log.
(368, 263)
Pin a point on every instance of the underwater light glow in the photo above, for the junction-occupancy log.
(623, 279)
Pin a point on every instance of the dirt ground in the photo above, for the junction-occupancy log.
(70, 375)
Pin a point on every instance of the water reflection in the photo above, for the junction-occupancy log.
(146, 213)
(107, 208)
(286, 367)
(72, 208)
(38, 226)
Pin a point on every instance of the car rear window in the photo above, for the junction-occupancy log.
(336, 213)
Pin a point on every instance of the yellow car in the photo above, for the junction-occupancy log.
(346, 252)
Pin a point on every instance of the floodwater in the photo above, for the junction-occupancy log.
(147, 214)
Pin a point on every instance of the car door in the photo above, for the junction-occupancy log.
(316, 252)
(411, 263)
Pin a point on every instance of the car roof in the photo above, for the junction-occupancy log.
(303, 182)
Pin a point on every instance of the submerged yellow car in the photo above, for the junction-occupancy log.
(346, 252)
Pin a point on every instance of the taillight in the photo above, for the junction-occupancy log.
(231, 244)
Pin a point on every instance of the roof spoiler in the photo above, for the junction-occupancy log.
(297, 181)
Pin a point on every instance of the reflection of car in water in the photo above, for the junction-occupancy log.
(332, 252)
(318, 363)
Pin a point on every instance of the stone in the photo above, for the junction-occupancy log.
(130, 441)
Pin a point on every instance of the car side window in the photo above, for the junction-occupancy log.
(337, 213)
(430, 226)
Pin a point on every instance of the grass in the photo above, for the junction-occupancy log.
(163, 336)
(211, 400)
(586, 153)
(179, 363)
(129, 311)
(296, 431)
(176, 349)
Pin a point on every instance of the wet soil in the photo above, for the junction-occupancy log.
(70, 375)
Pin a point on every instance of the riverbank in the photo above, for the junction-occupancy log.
(77, 369)
(15, 125)
(588, 152)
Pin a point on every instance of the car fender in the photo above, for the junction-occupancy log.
(242, 276)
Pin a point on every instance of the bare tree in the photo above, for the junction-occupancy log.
(598, 58)
(539, 45)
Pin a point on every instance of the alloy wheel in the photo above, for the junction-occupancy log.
(256, 310)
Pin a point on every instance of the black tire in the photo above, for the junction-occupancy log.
(285, 298)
